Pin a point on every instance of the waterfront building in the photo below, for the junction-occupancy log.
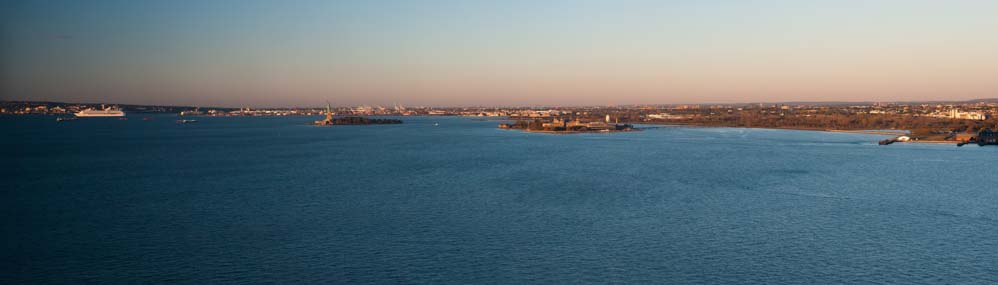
(195, 112)
(957, 114)
(556, 123)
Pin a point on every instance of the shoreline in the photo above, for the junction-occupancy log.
(571, 132)
(866, 132)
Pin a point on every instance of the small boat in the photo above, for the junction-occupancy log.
(60, 119)
(186, 121)
(122, 119)
(436, 124)
(887, 142)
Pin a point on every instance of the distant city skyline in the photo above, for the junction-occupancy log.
(496, 53)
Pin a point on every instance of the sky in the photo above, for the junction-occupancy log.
(496, 53)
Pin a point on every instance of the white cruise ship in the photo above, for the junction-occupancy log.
(106, 112)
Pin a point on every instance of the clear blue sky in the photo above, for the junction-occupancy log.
(303, 53)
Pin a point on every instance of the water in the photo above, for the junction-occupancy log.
(274, 200)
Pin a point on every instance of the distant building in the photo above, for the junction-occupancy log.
(664, 116)
(556, 123)
(598, 125)
(195, 112)
(957, 114)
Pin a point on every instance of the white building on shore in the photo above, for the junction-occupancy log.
(957, 114)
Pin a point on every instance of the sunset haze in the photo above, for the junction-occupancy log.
(471, 53)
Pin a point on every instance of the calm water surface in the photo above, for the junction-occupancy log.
(275, 200)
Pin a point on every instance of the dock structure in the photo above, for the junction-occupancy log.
(983, 138)
(987, 137)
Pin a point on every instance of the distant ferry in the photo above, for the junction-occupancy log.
(106, 112)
